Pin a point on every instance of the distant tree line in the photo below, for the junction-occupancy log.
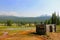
(53, 20)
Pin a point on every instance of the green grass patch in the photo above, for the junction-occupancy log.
(58, 28)
(14, 29)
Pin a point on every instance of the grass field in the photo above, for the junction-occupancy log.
(58, 28)
(20, 33)
(14, 29)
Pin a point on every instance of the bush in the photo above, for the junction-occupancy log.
(9, 23)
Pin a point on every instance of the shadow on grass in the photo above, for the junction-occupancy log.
(35, 33)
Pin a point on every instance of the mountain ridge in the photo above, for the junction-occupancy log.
(24, 19)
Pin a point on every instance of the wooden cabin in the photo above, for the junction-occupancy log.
(50, 28)
(41, 29)
(45, 28)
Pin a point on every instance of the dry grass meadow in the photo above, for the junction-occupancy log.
(26, 33)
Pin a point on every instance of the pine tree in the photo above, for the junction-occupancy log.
(58, 19)
(54, 18)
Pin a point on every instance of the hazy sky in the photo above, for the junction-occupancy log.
(29, 8)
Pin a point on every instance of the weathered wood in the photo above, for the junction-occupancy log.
(41, 29)
(44, 29)
(51, 28)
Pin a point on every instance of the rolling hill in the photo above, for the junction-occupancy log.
(24, 19)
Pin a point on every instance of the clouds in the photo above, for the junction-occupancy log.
(11, 13)
(24, 13)
(19, 14)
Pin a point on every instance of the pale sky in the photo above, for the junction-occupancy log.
(29, 8)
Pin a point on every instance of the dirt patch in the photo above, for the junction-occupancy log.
(29, 35)
(22, 35)
(54, 36)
